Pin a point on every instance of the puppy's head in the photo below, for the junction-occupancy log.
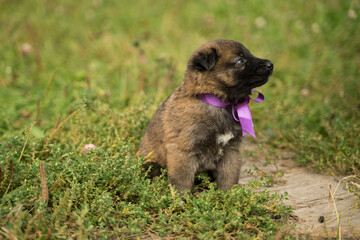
(227, 69)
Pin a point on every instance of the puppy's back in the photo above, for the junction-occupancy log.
(154, 137)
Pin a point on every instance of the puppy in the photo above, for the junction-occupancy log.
(187, 135)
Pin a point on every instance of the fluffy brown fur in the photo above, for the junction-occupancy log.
(187, 135)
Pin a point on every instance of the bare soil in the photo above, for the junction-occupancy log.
(323, 207)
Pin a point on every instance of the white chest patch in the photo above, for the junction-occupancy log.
(223, 139)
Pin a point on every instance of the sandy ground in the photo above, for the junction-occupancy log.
(323, 207)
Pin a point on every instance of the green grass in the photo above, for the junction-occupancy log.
(101, 68)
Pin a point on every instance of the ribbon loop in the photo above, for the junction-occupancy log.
(259, 98)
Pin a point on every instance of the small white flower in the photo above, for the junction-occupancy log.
(304, 92)
(88, 146)
(352, 14)
(260, 22)
(26, 48)
(315, 28)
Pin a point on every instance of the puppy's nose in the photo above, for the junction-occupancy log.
(265, 67)
(269, 64)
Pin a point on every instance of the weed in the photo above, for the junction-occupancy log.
(79, 72)
(59, 190)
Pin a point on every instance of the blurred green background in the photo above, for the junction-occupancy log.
(120, 51)
(109, 64)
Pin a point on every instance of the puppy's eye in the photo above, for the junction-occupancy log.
(240, 61)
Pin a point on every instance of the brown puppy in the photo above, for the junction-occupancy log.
(187, 135)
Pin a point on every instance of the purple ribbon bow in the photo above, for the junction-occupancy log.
(242, 110)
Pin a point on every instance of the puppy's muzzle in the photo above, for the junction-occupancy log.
(265, 68)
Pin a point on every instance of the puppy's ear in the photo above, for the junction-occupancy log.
(204, 60)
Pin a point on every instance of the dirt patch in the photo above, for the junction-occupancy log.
(323, 207)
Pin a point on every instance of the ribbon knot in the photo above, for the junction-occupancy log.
(242, 110)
